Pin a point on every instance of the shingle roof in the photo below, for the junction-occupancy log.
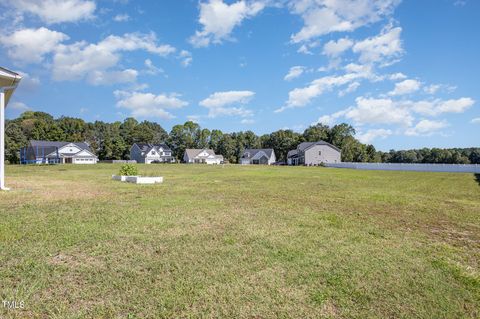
(45, 148)
(292, 153)
(192, 152)
(53, 145)
(145, 147)
(303, 146)
(251, 152)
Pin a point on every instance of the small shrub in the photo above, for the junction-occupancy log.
(128, 170)
(322, 164)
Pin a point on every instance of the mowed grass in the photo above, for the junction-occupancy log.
(239, 242)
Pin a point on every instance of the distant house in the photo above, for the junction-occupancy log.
(258, 156)
(314, 153)
(202, 156)
(46, 152)
(151, 153)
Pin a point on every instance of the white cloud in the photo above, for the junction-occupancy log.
(335, 48)
(379, 111)
(31, 45)
(384, 48)
(56, 11)
(81, 59)
(219, 103)
(194, 118)
(432, 89)
(406, 87)
(352, 87)
(475, 120)
(121, 17)
(247, 121)
(186, 57)
(148, 104)
(455, 106)
(426, 128)
(436, 107)
(300, 97)
(294, 72)
(321, 17)
(397, 76)
(151, 68)
(373, 134)
(306, 48)
(218, 19)
(330, 119)
(108, 78)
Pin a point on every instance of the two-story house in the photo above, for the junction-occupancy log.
(147, 153)
(314, 153)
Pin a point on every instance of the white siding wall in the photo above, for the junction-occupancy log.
(69, 149)
(321, 154)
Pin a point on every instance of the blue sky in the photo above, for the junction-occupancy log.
(403, 73)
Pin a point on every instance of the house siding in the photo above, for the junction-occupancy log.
(136, 154)
(160, 155)
(260, 158)
(318, 154)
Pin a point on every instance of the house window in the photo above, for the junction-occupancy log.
(319, 152)
(153, 152)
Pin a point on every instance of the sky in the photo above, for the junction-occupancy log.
(404, 74)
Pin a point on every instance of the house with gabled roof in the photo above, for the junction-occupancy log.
(201, 156)
(48, 152)
(264, 156)
(147, 153)
(314, 153)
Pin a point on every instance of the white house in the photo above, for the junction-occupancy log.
(204, 156)
(47, 152)
(258, 156)
(151, 153)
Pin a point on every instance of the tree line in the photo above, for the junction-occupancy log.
(113, 140)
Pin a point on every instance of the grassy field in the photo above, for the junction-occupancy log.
(239, 242)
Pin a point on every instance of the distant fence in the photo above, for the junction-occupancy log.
(119, 161)
(453, 168)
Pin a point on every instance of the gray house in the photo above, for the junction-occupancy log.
(47, 152)
(258, 156)
(146, 153)
(314, 153)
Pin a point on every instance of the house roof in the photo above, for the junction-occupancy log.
(193, 152)
(305, 145)
(47, 148)
(302, 147)
(146, 147)
(8, 80)
(251, 152)
(44, 144)
(292, 153)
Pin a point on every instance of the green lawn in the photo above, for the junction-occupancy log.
(239, 242)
